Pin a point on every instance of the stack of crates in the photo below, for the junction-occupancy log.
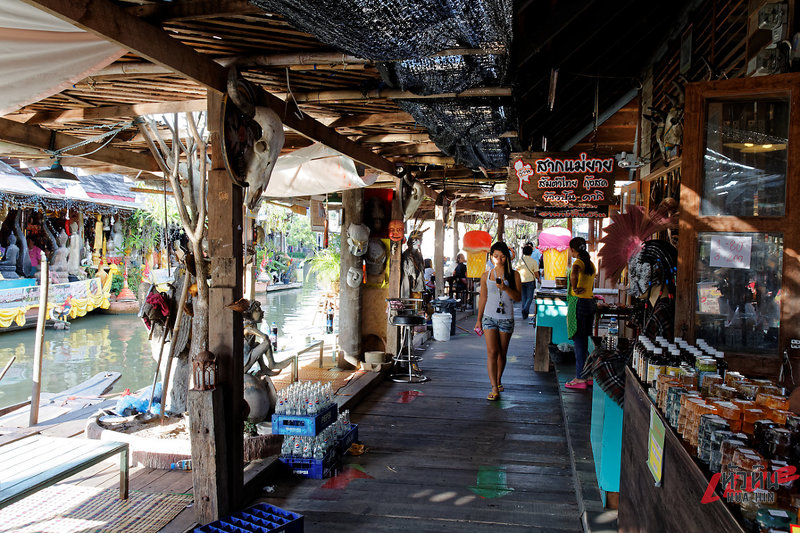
(311, 426)
(261, 518)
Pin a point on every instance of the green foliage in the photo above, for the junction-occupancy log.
(142, 232)
(326, 264)
(299, 233)
(250, 427)
(116, 283)
(134, 279)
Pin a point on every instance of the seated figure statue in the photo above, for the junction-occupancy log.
(75, 251)
(8, 266)
(115, 241)
(58, 266)
(257, 346)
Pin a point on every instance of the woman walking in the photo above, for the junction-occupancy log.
(581, 283)
(500, 288)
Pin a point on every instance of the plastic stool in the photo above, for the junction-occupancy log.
(407, 324)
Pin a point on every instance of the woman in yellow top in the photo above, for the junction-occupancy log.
(581, 283)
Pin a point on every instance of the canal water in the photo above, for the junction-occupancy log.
(98, 343)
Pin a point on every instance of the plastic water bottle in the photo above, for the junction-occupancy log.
(613, 333)
(274, 337)
(329, 320)
(185, 464)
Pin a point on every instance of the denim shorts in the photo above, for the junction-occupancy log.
(506, 325)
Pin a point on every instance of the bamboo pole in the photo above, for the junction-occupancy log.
(8, 365)
(44, 287)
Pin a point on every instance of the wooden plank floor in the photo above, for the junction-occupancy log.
(448, 459)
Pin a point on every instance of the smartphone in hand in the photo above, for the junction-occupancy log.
(478, 331)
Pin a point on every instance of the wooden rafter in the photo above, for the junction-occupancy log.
(375, 119)
(96, 113)
(338, 96)
(37, 137)
(114, 24)
(194, 10)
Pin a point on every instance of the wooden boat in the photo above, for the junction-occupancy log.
(19, 305)
(52, 406)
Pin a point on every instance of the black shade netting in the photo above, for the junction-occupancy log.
(445, 74)
(466, 129)
(389, 30)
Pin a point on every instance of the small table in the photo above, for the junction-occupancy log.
(36, 462)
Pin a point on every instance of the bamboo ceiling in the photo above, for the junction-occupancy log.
(343, 93)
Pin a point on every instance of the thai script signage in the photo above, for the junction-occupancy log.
(559, 180)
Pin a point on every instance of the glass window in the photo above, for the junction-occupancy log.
(744, 171)
(739, 290)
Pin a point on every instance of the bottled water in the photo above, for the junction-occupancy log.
(304, 399)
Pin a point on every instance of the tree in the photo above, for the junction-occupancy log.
(299, 233)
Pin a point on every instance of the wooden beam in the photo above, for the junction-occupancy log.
(114, 24)
(350, 297)
(412, 149)
(194, 10)
(37, 137)
(378, 94)
(425, 160)
(376, 119)
(117, 111)
(395, 138)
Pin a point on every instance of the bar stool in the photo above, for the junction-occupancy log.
(406, 324)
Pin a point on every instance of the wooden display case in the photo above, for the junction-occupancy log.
(740, 190)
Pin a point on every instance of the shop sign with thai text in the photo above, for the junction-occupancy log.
(560, 180)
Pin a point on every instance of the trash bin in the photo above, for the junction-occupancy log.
(441, 326)
(446, 305)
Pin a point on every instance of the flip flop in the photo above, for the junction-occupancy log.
(493, 397)
(500, 388)
(590, 382)
(572, 385)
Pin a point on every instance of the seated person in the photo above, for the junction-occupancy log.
(429, 275)
(35, 254)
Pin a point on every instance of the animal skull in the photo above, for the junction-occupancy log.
(262, 153)
(354, 277)
(358, 237)
(416, 193)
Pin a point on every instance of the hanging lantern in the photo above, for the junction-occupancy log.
(204, 370)
(476, 244)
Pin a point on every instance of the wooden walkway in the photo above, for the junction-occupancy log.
(440, 457)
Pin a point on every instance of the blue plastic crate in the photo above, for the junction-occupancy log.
(344, 443)
(260, 518)
(314, 468)
(309, 426)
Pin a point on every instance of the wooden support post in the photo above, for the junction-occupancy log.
(44, 286)
(251, 268)
(501, 227)
(217, 440)
(395, 273)
(456, 237)
(349, 297)
(438, 245)
(541, 353)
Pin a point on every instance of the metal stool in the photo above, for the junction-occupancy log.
(407, 323)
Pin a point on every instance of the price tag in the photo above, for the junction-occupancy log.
(730, 251)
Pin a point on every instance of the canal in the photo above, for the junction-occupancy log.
(99, 342)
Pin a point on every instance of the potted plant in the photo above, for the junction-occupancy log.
(326, 264)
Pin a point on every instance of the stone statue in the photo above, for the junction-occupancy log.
(58, 263)
(75, 251)
(8, 266)
(413, 267)
(115, 242)
(24, 266)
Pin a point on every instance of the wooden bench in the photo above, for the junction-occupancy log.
(36, 462)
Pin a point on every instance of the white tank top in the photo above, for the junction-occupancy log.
(498, 306)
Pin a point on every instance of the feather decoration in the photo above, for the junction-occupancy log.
(628, 232)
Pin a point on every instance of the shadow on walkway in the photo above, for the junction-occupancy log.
(440, 457)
